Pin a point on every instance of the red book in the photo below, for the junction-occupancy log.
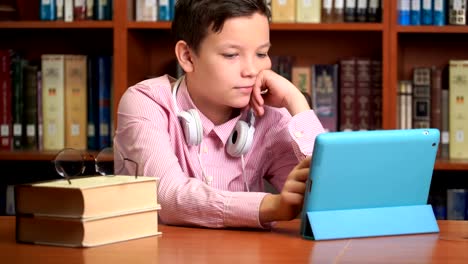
(79, 10)
(6, 133)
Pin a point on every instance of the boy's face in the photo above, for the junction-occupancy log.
(227, 64)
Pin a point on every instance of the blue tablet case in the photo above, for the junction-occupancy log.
(370, 183)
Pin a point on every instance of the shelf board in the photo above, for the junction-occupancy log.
(432, 29)
(28, 155)
(451, 165)
(280, 26)
(55, 24)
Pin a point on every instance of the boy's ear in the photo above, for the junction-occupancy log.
(184, 55)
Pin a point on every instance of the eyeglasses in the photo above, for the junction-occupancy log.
(71, 162)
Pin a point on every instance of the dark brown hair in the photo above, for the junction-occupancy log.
(193, 18)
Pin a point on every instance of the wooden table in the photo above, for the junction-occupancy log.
(281, 245)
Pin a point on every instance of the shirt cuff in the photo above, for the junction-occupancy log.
(304, 128)
(242, 210)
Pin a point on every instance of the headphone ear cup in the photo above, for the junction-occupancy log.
(191, 124)
(240, 140)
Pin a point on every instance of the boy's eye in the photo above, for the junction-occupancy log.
(262, 55)
(230, 55)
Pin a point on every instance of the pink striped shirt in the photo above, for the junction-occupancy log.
(149, 132)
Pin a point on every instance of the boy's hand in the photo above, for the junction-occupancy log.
(288, 204)
(281, 93)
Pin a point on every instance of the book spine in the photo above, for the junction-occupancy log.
(59, 10)
(421, 97)
(301, 78)
(327, 11)
(103, 10)
(363, 94)
(325, 94)
(30, 106)
(79, 10)
(415, 12)
(89, 9)
(427, 12)
(347, 93)
(146, 10)
(438, 201)
(47, 10)
(283, 11)
(308, 11)
(404, 10)
(6, 137)
(361, 10)
(165, 10)
(53, 101)
(458, 86)
(40, 141)
(436, 101)
(376, 94)
(374, 11)
(104, 66)
(445, 136)
(457, 12)
(75, 102)
(350, 11)
(338, 11)
(68, 10)
(17, 65)
(440, 10)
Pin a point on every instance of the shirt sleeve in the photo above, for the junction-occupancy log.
(304, 128)
(142, 135)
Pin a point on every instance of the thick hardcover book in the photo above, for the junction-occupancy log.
(457, 12)
(427, 12)
(59, 10)
(88, 232)
(89, 9)
(363, 94)
(421, 97)
(445, 115)
(415, 12)
(283, 11)
(68, 10)
(75, 101)
(47, 10)
(458, 76)
(457, 204)
(87, 197)
(6, 136)
(338, 11)
(325, 95)
(308, 11)
(93, 104)
(53, 67)
(40, 123)
(350, 11)
(374, 11)
(347, 95)
(30, 106)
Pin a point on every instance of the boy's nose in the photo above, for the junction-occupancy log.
(249, 69)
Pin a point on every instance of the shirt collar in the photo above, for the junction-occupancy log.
(223, 131)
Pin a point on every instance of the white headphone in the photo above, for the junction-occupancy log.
(239, 141)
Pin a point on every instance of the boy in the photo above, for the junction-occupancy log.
(198, 134)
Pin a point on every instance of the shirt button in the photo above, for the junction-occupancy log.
(205, 149)
(298, 134)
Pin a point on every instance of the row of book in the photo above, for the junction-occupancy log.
(346, 96)
(153, 10)
(450, 205)
(75, 10)
(64, 101)
(433, 12)
(435, 98)
(325, 11)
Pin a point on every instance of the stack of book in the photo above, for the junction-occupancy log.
(91, 211)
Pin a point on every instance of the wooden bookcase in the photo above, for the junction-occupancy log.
(144, 49)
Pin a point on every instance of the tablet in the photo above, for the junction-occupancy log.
(361, 183)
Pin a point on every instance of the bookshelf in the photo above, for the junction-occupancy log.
(144, 49)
